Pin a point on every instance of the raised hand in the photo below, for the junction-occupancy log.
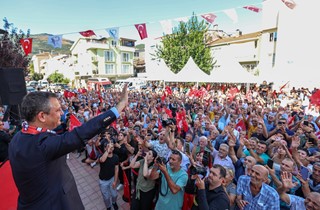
(286, 178)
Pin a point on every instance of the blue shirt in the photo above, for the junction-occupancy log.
(296, 202)
(267, 198)
(172, 201)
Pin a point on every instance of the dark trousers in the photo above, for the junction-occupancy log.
(145, 202)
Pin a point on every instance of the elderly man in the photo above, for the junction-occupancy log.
(221, 157)
(311, 202)
(254, 193)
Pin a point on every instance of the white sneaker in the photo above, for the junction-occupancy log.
(120, 186)
(93, 164)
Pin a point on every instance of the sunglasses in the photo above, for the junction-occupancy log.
(281, 123)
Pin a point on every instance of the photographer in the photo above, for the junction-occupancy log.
(210, 195)
(173, 180)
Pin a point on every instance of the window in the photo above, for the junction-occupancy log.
(109, 68)
(114, 43)
(109, 56)
(125, 57)
(125, 69)
(136, 54)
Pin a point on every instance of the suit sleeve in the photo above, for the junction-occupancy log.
(55, 146)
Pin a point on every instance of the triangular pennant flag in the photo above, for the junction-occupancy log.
(209, 17)
(55, 41)
(142, 30)
(253, 8)
(289, 3)
(26, 45)
(113, 32)
(87, 33)
(166, 26)
(232, 14)
(74, 122)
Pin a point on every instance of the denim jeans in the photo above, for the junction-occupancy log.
(108, 192)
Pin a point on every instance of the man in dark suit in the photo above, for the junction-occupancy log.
(37, 154)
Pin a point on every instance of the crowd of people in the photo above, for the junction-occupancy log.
(210, 147)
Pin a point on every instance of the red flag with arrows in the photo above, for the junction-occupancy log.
(87, 33)
(26, 45)
(142, 29)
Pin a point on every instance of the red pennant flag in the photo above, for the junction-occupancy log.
(126, 188)
(253, 8)
(87, 33)
(74, 122)
(315, 98)
(289, 3)
(26, 45)
(209, 17)
(142, 30)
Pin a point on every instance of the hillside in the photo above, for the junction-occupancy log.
(40, 44)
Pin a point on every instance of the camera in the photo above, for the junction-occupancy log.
(161, 160)
(167, 122)
(198, 170)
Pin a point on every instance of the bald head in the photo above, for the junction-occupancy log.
(262, 170)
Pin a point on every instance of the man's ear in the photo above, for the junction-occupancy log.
(41, 117)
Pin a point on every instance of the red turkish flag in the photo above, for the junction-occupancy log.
(74, 122)
(163, 97)
(87, 33)
(240, 126)
(26, 45)
(126, 189)
(168, 90)
(253, 8)
(209, 17)
(289, 3)
(142, 29)
(315, 98)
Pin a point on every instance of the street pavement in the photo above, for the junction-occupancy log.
(87, 180)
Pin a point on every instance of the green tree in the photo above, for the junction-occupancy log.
(187, 40)
(57, 78)
(11, 52)
(36, 76)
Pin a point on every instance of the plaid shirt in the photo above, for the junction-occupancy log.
(296, 202)
(267, 198)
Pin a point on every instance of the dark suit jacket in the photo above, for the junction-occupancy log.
(39, 167)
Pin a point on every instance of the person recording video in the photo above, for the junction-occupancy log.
(210, 193)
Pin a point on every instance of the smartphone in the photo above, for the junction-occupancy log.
(304, 172)
(306, 123)
(187, 147)
(270, 163)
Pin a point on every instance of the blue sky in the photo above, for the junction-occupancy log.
(72, 16)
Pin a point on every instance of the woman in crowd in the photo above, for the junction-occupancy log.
(145, 187)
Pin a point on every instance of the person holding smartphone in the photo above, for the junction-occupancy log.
(210, 193)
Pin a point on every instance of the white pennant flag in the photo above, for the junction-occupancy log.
(232, 14)
(166, 26)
